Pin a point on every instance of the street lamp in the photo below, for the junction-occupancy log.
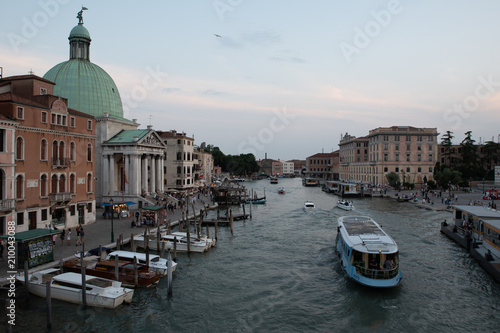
(112, 213)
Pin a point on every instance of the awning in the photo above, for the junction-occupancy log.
(32, 234)
(128, 203)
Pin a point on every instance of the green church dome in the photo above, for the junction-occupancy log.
(87, 86)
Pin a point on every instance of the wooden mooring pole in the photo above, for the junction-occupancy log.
(48, 302)
(84, 287)
(169, 273)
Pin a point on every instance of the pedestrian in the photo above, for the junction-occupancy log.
(136, 216)
(54, 239)
(82, 235)
(63, 233)
(77, 236)
(68, 237)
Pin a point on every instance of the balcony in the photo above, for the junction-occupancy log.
(6, 205)
(60, 197)
(60, 162)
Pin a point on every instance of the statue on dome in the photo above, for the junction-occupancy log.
(79, 16)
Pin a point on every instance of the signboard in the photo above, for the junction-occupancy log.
(36, 251)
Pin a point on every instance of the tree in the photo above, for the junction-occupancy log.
(393, 179)
(469, 165)
(447, 177)
(446, 143)
(491, 151)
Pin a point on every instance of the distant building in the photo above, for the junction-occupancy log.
(411, 152)
(53, 178)
(299, 166)
(321, 166)
(288, 168)
(179, 164)
(204, 166)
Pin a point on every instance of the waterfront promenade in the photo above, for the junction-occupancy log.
(99, 233)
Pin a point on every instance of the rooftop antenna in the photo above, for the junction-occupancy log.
(150, 117)
(31, 71)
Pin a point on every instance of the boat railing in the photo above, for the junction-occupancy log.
(378, 274)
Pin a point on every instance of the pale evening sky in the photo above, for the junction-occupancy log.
(285, 78)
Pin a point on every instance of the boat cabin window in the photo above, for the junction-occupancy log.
(458, 215)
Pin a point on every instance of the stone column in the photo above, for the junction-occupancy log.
(144, 169)
(153, 173)
(112, 175)
(105, 175)
(126, 161)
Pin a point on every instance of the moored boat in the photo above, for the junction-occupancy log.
(146, 276)
(157, 263)
(345, 205)
(368, 255)
(67, 287)
(273, 180)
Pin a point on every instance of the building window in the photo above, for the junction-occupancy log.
(408, 157)
(19, 187)
(43, 150)
(62, 184)
(396, 147)
(386, 138)
(20, 218)
(430, 157)
(386, 157)
(44, 214)
(19, 149)
(419, 169)
(72, 151)
(408, 169)
(45, 116)
(430, 169)
(408, 147)
(397, 157)
(386, 169)
(408, 138)
(430, 147)
(397, 169)
(419, 147)
(72, 122)
(419, 157)
(43, 91)
(20, 112)
(89, 125)
(72, 183)
(89, 207)
(419, 138)
(431, 138)
(89, 152)
(43, 185)
(396, 137)
(89, 183)
(386, 146)
(72, 210)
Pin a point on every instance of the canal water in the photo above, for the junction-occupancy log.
(279, 272)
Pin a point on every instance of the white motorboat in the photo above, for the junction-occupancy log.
(203, 238)
(309, 206)
(182, 243)
(345, 205)
(67, 287)
(156, 262)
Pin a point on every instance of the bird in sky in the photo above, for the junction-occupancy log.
(217, 35)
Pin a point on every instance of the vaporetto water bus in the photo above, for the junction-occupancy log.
(367, 254)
